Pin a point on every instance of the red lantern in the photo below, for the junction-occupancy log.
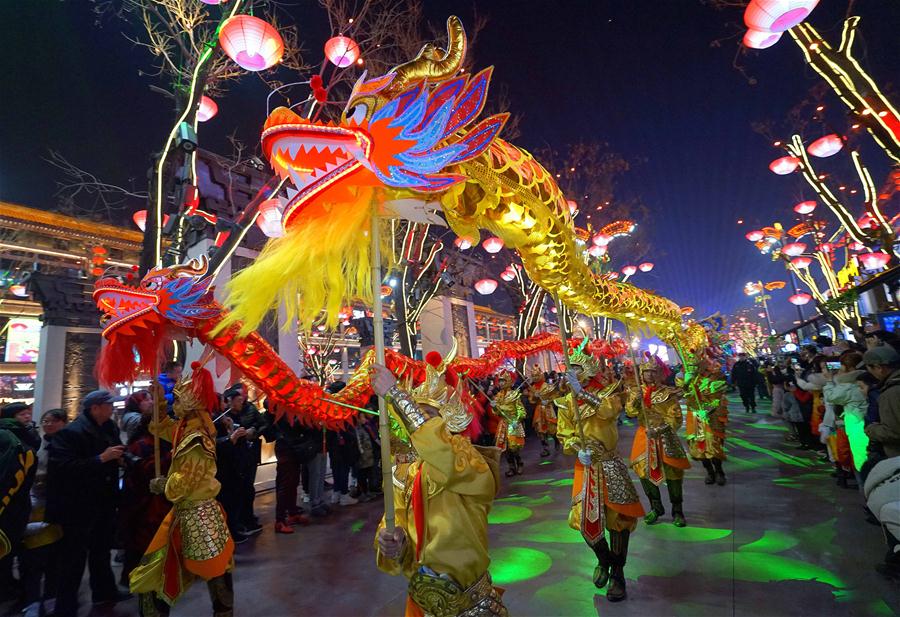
(826, 146)
(758, 39)
(784, 165)
(800, 299)
(874, 261)
(251, 42)
(801, 262)
(269, 218)
(140, 219)
(777, 15)
(463, 243)
(629, 270)
(645, 267)
(96, 271)
(486, 286)
(755, 236)
(341, 51)
(207, 109)
(794, 249)
(805, 207)
(492, 245)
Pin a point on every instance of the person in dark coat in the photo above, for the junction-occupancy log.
(295, 445)
(744, 375)
(82, 495)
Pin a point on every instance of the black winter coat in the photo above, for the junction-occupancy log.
(81, 490)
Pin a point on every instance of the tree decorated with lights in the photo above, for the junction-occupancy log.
(747, 336)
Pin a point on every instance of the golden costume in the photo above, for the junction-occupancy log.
(541, 394)
(706, 420)
(193, 540)
(507, 404)
(656, 452)
(603, 496)
(442, 502)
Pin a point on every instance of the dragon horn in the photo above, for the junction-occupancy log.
(450, 357)
(432, 63)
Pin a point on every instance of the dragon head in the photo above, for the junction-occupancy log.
(401, 130)
(141, 318)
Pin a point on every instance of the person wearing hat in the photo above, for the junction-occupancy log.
(19, 442)
(883, 363)
(82, 493)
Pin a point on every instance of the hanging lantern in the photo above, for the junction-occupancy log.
(613, 275)
(784, 165)
(826, 146)
(596, 251)
(573, 206)
(755, 236)
(207, 109)
(213, 2)
(874, 261)
(629, 270)
(856, 246)
(269, 218)
(867, 221)
(794, 249)
(645, 267)
(759, 39)
(826, 247)
(18, 290)
(508, 275)
(801, 262)
(777, 15)
(602, 239)
(800, 299)
(341, 51)
(553, 309)
(492, 245)
(140, 219)
(486, 286)
(805, 207)
(463, 243)
(251, 42)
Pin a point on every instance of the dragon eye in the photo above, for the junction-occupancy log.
(151, 285)
(357, 113)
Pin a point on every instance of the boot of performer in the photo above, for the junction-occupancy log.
(618, 541)
(511, 463)
(720, 475)
(545, 448)
(656, 504)
(710, 471)
(221, 593)
(601, 572)
(151, 606)
(520, 465)
(676, 496)
(556, 444)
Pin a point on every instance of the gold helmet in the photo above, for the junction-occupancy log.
(584, 364)
(436, 392)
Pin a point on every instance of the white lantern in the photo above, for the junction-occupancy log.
(777, 15)
(269, 218)
(341, 51)
(794, 249)
(207, 109)
(805, 207)
(784, 165)
(492, 244)
(486, 286)
(602, 239)
(759, 39)
(801, 262)
(508, 275)
(645, 267)
(800, 299)
(874, 261)
(756, 235)
(826, 146)
(629, 270)
(463, 243)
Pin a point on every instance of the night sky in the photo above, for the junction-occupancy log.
(639, 74)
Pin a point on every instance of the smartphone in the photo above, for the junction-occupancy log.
(833, 366)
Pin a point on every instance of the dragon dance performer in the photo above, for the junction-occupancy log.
(507, 404)
(706, 420)
(603, 496)
(541, 394)
(442, 501)
(657, 453)
(193, 540)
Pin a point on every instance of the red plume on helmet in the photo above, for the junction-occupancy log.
(204, 387)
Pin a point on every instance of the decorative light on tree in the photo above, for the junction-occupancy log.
(777, 15)
(492, 244)
(645, 267)
(602, 239)
(269, 218)
(801, 262)
(856, 246)
(341, 51)
(794, 249)
(755, 236)
(508, 274)
(486, 286)
(805, 207)
(629, 270)
(874, 261)
(251, 42)
(828, 145)
(759, 39)
(463, 243)
(799, 299)
(207, 109)
(140, 219)
(596, 251)
(825, 247)
(573, 206)
(784, 165)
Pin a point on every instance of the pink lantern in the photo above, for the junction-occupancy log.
(867, 221)
(596, 251)
(140, 219)
(553, 309)
(645, 267)
(463, 243)
(794, 249)
(18, 290)
(800, 299)
(760, 314)
(755, 236)
(573, 206)
(251, 42)
(826, 146)
(269, 218)
(613, 275)
(629, 270)
(777, 15)
(805, 207)
(508, 275)
(486, 286)
(207, 109)
(492, 244)
(758, 39)
(874, 261)
(784, 165)
(602, 239)
(341, 51)
(856, 246)
(826, 247)
(801, 262)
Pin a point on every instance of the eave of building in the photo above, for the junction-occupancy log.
(32, 219)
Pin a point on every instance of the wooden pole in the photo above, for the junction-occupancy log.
(384, 425)
(157, 463)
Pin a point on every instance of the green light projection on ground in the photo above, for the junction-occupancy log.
(357, 526)
(879, 608)
(787, 459)
(516, 564)
(522, 500)
(547, 463)
(685, 534)
(563, 482)
(574, 593)
(768, 427)
(764, 568)
(552, 532)
(821, 536)
(503, 514)
(544, 482)
(771, 542)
